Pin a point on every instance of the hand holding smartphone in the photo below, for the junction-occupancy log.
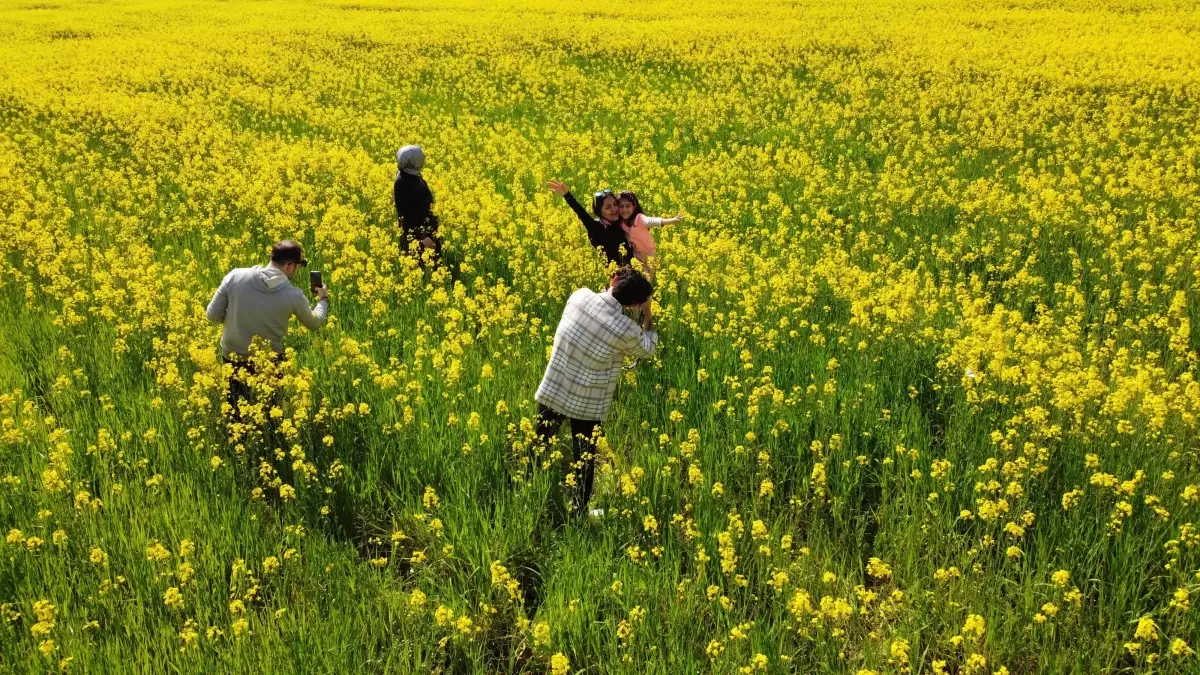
(317, 285)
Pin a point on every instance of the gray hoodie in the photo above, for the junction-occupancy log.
(259, 301)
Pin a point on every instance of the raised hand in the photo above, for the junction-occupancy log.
(558, 187)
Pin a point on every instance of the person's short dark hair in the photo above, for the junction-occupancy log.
(630, 287)
(287, 251)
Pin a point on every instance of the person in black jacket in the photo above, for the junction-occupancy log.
(414, 201)
(604, 230)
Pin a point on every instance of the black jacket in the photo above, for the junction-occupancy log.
(610, 237)
(414, 202)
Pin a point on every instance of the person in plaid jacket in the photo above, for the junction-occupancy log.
(592, 339)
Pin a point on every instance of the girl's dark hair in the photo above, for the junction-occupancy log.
(630, 287)
(627, 196)
(598, 200)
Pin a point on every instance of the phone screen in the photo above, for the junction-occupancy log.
(314, 279)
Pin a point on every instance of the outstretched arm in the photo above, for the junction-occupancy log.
(659, 222)
(560, 188)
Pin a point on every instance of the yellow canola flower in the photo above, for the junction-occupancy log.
(974, 626)
(172, 598)
(1147, 630)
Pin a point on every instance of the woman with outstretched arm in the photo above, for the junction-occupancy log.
(603, 225)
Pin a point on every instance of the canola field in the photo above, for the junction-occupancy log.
(926, 399)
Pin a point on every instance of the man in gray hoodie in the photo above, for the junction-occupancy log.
(258, 302)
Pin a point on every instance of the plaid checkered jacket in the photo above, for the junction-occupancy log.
(591, 340)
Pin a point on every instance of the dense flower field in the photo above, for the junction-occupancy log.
(926, 399)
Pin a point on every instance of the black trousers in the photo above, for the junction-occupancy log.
(239, 389)
(408, 237)
(548, 423)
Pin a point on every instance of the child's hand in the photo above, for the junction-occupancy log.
(678, 219)
(558, 187)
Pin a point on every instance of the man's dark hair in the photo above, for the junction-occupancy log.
(630, 287)
(287, 251)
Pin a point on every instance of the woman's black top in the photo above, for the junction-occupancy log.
(610, 237)
(414, 202)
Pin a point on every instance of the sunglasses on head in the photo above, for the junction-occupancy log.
(603, 194)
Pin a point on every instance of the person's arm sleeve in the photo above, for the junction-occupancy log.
(312, 318)
(584, 217)
(643, 344)
(650, 221)
(399, 201)
(429, 221)
(423, 222)
(219, 304)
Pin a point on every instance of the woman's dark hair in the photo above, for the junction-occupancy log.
(627, 196)
(598, 200)
(630, 287)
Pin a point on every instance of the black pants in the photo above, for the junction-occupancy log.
(407, 239)
(239, 389)
(548, 423)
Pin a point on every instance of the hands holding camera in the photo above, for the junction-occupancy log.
(647, 315)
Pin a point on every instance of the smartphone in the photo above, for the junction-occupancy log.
(314, 279)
